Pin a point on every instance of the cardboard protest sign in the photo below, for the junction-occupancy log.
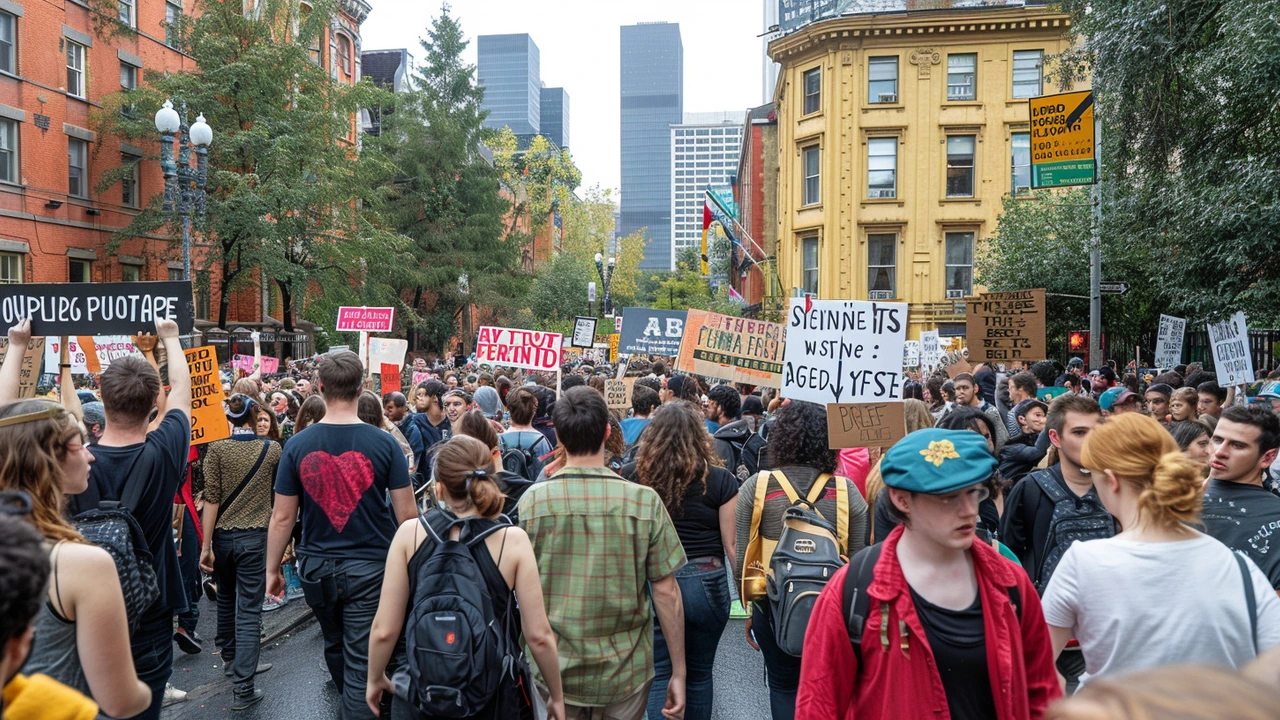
(1169, 341)
(617, 393)
(958, 367)
(106, 348)
(390, 378)
(865, 424)
(71, 309)
(651, 332)
(911, 353)
(366, 319)
(387, 350)
(32, 362)
(1232, 359)
(519, 348)
(613, 347)
(208, 419)
(734, 349)
(270, 365)
(584, 332)
(930, 349)
(844, 351)
(1008, 326)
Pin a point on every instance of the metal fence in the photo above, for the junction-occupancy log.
(1264, 344)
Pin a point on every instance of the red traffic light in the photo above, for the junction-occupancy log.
(1078, 341)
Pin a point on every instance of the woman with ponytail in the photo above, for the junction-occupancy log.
(465, 474)
(1159, 592)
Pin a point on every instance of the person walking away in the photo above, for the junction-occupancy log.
(677, 461)
(1103, 591)
(724, 406)
(465, 472)
(238, 474)
(643, 402)
(522, 446)
(341, 472)
(1238, 508)
(929, 623)
(595, 587)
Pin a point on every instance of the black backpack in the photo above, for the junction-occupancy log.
(458, 652)
(752, 455)
(1074, 519)
(110, 525)
(521, 460)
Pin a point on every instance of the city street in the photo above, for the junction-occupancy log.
(297, 685)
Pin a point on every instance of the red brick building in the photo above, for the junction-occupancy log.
(756, 194)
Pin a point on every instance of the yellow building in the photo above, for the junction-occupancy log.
(898, 136)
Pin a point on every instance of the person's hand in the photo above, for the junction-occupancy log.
(166, 328)
(20, 334)
(674, 709)
(206, 560)
(275, 582)
(751, 640)
(555, 709)
(380, 684)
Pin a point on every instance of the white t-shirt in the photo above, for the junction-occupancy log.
(1135, 605)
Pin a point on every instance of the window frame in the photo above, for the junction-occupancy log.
(80, 90)
(1013, 162)
(972, 166)
(131, 71)
(815, 93)
(10, 257)
(82, 190)
(14, 165)
(131, 182)
(88, 270)
(172, 24)
(175, 277)
(130, 16)
(972, 72)
(969, 236)
(806, 199)
(11, 56)
(345, 60)
(129, 268)
(873, 98)
(880, 141)
(809, 246)
(876, 238)
(1013, 74)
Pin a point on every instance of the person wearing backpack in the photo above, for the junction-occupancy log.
(724, 406)
(803, 477)
(929, 623)
(238, 473)
(425, 583)
(522, 446)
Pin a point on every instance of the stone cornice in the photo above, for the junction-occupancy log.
(358, 10)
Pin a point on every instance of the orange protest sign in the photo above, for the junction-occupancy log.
(91, 362)
(390, 378)
(208, 419)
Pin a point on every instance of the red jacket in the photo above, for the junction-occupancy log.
(899, 681)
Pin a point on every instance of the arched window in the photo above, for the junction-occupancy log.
(344, 54)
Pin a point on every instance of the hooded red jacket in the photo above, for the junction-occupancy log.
(899, 680)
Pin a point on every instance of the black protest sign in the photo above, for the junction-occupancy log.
(651, 332)
(126, 308)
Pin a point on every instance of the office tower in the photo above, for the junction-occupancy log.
(508, 69)
(704, 154)
(555, 115)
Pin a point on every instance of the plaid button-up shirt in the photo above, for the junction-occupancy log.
(599, 540)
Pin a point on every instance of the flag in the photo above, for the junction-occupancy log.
(736, 296)
(706, 225)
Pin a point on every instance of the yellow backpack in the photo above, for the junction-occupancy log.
(756, 562)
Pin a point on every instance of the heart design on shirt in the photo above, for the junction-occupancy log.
(336, 484)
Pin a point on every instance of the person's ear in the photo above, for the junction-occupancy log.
(1268, 458)
(1054, 438)
(1113, 482)
(901, 500)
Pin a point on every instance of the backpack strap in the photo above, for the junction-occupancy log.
(842, 514)
(787, 487)
(762, 491)
(262, 455)
(854, 601)
(1250, 601)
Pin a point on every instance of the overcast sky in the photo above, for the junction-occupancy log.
(578, 41)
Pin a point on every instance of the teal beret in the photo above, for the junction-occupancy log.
(936, 462)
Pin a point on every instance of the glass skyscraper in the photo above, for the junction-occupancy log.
(555, 116)
(508, 68)
(652, 74)
(704, 154)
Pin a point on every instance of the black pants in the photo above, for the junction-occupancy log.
(189, 564)
(240, 565)
(152, 648)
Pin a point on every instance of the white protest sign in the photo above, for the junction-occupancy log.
(108, 348)
(911, 353)
(1232, 360)
(1169, 341)
(930, 351)
(584, 332)
(844, 351)
(519, 348)
(387, 350)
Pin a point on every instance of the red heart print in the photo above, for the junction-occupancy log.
(336, 484)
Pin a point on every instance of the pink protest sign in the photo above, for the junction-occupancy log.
(270, 365)
(519, 348)
(367, 319)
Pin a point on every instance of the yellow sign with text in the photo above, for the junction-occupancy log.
(1062, 140)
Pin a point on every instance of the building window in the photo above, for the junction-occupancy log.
(882, 80)
(882, 168)
(8, 28)
(172, 24)
(75, 68)
(130, 273)
(882, 266)
(79, 270)
(126, 12)
(962, 72)
(959, 264)
(813, 90)
(812, 175)
(809, 249)
(344, 54)
(1021, 163)
(960, 165)
(77, 167)
(175, 274)
(11, 266)
(129, 182)
(128, 76)
(1027, 73)
(9, 151)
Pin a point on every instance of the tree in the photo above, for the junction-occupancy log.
(688, 288)
(541, 177)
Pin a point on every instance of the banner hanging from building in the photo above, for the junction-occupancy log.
(734, 349)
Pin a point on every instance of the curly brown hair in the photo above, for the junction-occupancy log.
(676, 452)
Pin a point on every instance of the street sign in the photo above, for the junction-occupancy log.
(1062, 141)
(1113, 287)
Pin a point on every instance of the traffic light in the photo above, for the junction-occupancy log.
(1078, 345)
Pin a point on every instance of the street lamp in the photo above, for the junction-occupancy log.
(606, 279)
(183, 184)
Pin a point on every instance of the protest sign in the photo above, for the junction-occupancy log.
(387, 350)
(31, 361)
(958, 367)
(584, 332)
(1008, 326)
(930, 349)
(617, 393)
(617, 324)
(107, 348)
(270, 365)
(420, 377)
(91, 362)
(844, 351)
(731, 348)
(208, 420)
(1169, 341)
(865, 424)
(520, 348)
(613, 347)
(651, 332)
(1232, 359)
(911, 353)
(72, 309)
(390, 373)
(366, 319)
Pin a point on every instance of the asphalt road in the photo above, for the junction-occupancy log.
(297, 686)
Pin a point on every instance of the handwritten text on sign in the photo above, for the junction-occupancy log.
(1232, 359)
(208, 420)
(1005, 327)
(1169, 341)
(270, 365)
(844, 351)
(865, 424)
(617, 393)
(366, 319)
(521, 348)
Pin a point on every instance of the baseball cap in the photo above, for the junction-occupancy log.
(1025, 407)
(1115, 396)
(1270, 390)
(1075, 362)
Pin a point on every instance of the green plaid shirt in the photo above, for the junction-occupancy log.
(599, 539)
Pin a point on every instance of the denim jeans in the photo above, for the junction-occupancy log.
(240, 564)
(189, 564)
(151, 645)
(344, 595)
(782, 671)
(704, 590)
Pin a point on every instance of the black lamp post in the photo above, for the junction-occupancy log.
(606, 278)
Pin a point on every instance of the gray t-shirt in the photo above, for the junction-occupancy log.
(1136, 605)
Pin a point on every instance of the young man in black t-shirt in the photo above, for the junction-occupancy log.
(340, 471)
(1238, 509)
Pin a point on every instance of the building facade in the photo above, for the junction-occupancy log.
(756, 192)
(704, 154)
(507, 67)
(555, 116)
(899, 135)
(652, 85)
